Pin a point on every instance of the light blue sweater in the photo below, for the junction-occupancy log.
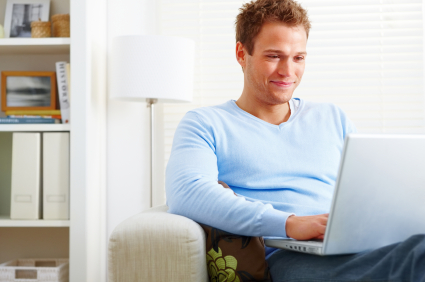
(276, 170)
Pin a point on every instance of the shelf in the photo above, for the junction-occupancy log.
(34, 127)
(19, 46)
(7, 222)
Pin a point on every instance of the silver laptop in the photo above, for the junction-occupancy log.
(379, 197)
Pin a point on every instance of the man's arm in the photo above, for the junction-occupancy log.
(193, 190)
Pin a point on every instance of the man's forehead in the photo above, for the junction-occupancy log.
(281, 38)
(275, 35)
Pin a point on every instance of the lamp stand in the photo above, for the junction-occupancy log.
(150, 104)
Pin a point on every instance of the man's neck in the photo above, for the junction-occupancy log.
(274, 114)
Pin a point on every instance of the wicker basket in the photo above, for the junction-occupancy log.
(61, 17)
(40, 29)
(35, 270)
(61, 25)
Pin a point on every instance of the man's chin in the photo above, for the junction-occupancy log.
(280, 99)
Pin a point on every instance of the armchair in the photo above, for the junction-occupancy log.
(156, 246)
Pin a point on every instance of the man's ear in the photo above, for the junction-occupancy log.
(241, 54)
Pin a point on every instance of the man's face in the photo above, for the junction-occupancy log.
(276, 65)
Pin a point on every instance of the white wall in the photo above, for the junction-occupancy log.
(128, 148)
(88, 141)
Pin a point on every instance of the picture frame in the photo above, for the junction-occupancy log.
(19, 15)
(28, 90)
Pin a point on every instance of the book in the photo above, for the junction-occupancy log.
(25, 190)
(28, 120)
(56, 175)
(34, 113)
(40, 116)
(63, 91)
(68, 79)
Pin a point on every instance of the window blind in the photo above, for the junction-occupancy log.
(366, 56)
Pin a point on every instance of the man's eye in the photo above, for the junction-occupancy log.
(273, 56)
(300, 58)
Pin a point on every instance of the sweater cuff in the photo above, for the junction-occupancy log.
(274, 223)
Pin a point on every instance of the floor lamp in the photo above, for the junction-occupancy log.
(151, 69)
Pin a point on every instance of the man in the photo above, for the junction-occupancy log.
(278, 154)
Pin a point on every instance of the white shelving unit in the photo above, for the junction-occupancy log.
(49, 46)
(30, 238)
(34, 127)
(82, 238)
(7, 222)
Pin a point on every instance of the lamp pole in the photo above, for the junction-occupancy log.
(150, 104)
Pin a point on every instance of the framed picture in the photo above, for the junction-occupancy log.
(24, 90)
(20, 14)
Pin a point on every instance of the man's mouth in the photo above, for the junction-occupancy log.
(282, 83)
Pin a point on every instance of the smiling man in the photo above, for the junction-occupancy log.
(277, 153)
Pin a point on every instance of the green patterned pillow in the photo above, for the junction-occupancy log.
(235, 258)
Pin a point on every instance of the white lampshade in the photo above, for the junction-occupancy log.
(152, 66)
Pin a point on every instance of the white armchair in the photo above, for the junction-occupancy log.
(156, 246)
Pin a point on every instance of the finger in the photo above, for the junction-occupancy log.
(324, 220)
(321, 229)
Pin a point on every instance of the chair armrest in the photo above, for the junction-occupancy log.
(157, 246)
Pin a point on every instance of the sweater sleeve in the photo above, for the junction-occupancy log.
(193, 191)
(347, 125)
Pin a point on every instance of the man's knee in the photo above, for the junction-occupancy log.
(417, 239)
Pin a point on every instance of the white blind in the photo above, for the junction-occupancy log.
(366, 56)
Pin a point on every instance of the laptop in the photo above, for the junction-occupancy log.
(379, 197)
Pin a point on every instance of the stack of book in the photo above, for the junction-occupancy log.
(35, 116)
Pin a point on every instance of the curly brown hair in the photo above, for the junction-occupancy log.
(254, 14)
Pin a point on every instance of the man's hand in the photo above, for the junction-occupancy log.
(307, 227)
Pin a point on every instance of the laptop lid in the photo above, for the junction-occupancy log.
(379, 195)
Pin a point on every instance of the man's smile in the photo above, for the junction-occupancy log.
(282, 83)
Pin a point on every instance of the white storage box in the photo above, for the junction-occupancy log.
(35, 270)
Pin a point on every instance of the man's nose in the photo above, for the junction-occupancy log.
(285, 68)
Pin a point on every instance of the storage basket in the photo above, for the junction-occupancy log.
(40, 29)
(35, 270)
(61, 27)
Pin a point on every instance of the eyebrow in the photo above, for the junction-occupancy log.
(278, 51)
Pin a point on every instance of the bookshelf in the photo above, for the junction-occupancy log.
(48, 46)
(82, 238)
(7, 222)
(34, 127)
(30, 238)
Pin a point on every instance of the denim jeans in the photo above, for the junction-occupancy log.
(403, 261)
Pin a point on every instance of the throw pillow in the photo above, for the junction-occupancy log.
(235, 258)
